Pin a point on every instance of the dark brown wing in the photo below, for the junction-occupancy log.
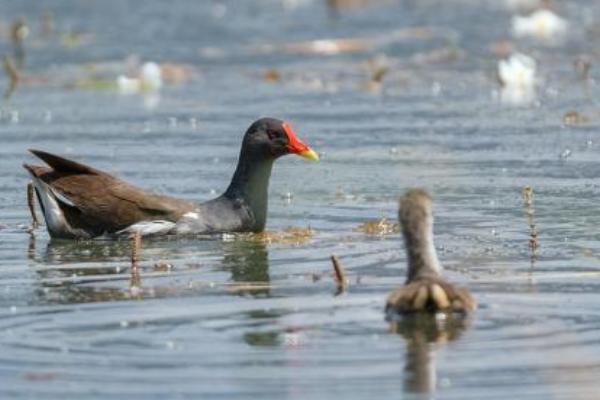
(101, 202)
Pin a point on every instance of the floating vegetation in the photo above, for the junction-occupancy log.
(76, 39)
(379, 227)
(248, 287)
(176, 73)
(163, 266)
(575, 118)
(94, 84)
(442, 55)
(291, 235)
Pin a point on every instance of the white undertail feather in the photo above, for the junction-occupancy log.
(146, 228)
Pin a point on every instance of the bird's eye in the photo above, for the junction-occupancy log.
(272, 134)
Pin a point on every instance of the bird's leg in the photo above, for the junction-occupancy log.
(134, 272)
(31, 204)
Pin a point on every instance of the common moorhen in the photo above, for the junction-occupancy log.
(81, 202)
(425, 288)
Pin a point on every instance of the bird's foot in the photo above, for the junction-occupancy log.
(430, 295)
(31, 204)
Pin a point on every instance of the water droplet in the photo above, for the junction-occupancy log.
(13, 309)
(436, 89)
(14, 116)
(565, 154)
(124, 324)
(287, 196)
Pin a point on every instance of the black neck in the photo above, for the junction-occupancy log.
(250, 183)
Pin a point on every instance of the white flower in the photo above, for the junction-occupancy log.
(542, 24)
(149, 80)
(517, 71)
(151, 76)
(517, 75)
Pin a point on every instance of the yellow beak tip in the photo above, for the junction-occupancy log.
(309, 154)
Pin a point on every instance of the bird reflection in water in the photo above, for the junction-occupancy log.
(424, 334)
(93, 271)
(66, 276)
(248, 263)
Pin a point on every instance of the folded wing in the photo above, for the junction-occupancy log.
(81, 201)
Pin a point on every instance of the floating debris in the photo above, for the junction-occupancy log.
(329, 47)
(177, 74)
(163, 266)
(541, 24)
(575, 118)
(582, 65)
(378, 69)
(339, 274)
(502, 48)
(379, 227)
(566, 153)
(272, 76)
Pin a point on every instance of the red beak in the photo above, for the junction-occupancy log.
(297, 146)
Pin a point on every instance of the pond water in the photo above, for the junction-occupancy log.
(235, 317)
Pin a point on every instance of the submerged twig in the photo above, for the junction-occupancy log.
(18, 33)
(339, 274)
(533, 234)
(31, 204)
(13, 76)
